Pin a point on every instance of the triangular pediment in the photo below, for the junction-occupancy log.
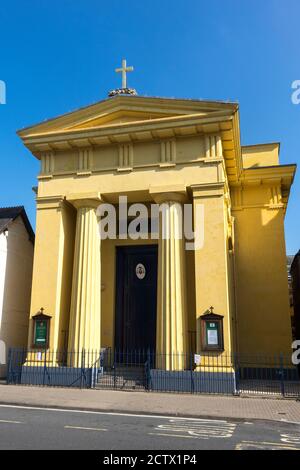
(119, 117)
(124, 110)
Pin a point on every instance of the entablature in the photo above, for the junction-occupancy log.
(271, 186)
(217, 136)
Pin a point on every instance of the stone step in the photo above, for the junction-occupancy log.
(122, 377)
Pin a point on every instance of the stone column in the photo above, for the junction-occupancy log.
(85, 314)
(171, 334)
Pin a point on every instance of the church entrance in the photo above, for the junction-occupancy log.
(136, 289)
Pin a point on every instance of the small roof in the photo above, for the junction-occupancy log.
(9, 214)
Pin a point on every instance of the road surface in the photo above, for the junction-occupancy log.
(38, 428)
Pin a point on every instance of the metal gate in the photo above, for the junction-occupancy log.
(123, 370)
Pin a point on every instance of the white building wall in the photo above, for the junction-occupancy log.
(3, 257)
(16, 252)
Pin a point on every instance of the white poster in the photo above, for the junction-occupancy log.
(197, 359)
(212, 337)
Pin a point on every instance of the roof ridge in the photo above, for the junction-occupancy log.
(11, 207)
(9, 214)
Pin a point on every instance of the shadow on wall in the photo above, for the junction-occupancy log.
(69, 230)
(263, 315)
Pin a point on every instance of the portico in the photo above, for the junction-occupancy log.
(168, 295)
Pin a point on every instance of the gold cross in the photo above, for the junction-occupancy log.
(124, 69)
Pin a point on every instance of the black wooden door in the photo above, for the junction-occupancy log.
(135, 325)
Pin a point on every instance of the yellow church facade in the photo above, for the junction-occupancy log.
(153, 293)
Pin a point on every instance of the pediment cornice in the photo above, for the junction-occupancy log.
(164, 107)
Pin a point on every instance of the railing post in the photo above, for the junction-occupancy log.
(236, 373)
(92, 365)
(82, 368)
(114, 367)
(45, 367)
(9, 369)
(148, 370)
(281, 374)
(192, 376)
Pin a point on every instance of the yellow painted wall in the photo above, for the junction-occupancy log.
(261, 278)
(120, 182)
(260, 155)
(52, 271)
(212, 270)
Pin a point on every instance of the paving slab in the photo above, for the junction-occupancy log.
(153, 403)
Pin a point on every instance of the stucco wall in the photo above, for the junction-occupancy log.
(261, 281)
(260, 155)
(52, 273)
(212, 269)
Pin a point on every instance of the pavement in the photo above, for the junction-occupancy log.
(151, 403)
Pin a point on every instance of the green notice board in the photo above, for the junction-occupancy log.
(41, 333)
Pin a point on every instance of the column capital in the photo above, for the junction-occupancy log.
(49, 202)
(169, 193)
(82, 200)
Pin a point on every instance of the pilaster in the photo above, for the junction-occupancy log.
(211, 260)
(48, 279)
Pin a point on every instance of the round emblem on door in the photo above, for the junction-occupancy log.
(140, 271)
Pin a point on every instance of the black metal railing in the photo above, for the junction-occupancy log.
(53, 368)
(212, 373)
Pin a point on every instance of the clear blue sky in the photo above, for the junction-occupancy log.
(58, 55)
